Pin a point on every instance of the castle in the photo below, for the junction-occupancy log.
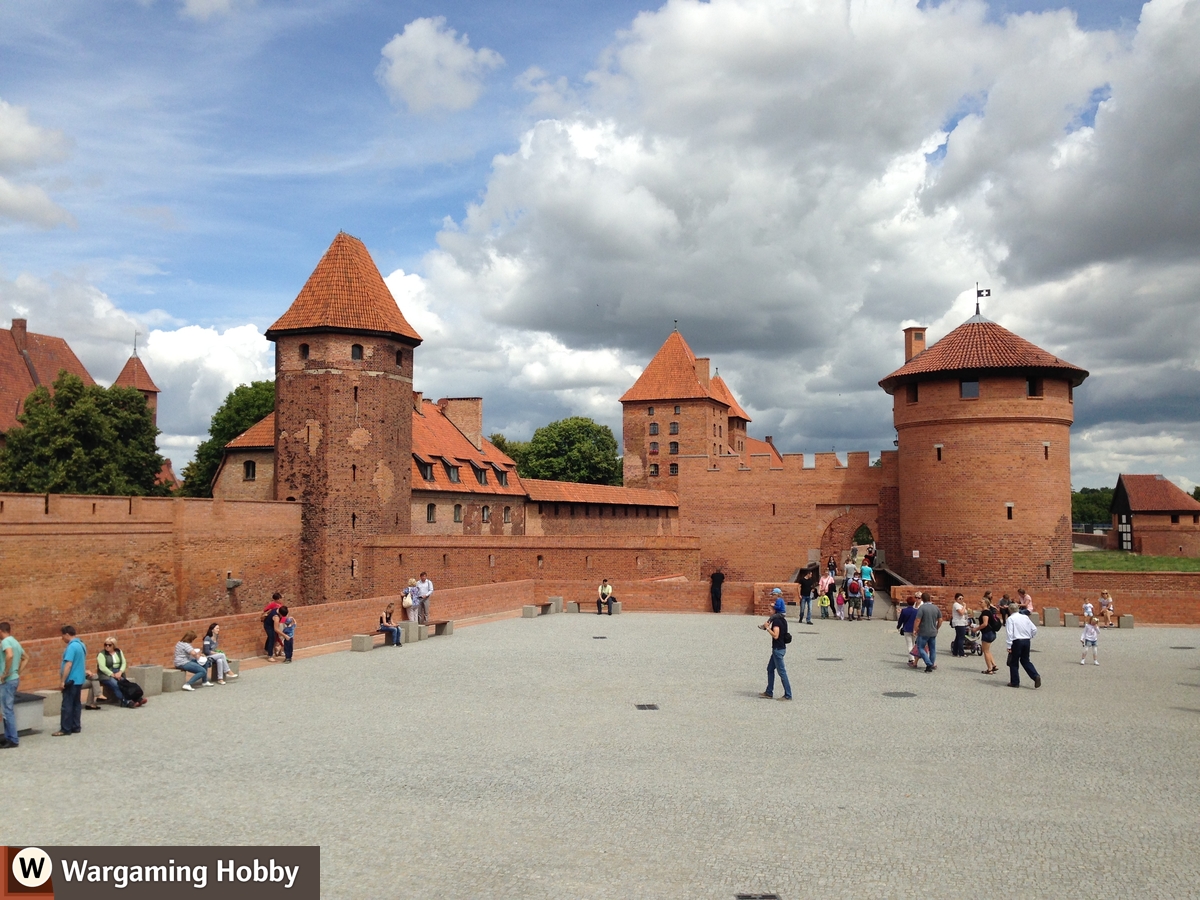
(976, 492)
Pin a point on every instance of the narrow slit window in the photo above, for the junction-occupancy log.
(1046, 450)
(399, 358)
(942, 564)
(938, 449)
(1008, 509)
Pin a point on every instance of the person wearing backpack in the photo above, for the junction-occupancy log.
(777, 627)
(854, 598)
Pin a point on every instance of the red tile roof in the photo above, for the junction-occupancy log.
(47, 355)
(134, 375)
(437, 440)
(259, 436)
(166, 475)
(567, 492)
(670, 375)
(719, 390)
(980, 345)
(345, 293)
(756, 446)
(1154, 493)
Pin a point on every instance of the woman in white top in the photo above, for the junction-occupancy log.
(959, 622)
(1106, 609)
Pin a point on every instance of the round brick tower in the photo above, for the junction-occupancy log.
(343, 417)
(983, 419)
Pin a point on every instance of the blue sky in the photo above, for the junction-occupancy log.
(776, 178)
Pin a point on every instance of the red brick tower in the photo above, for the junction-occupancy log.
(984, 420)
(675, 409)
(343, 414)
(134, 375)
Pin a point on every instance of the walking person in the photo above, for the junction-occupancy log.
(925, 629)
(904, 625)
(777, 627)
(72, 675)
(715, 580)
(989, 625)
(12, 661)
(808, 587)
(959, 621)
(604, 595)
(425, 594)
(1090, 638)
(1020, 629)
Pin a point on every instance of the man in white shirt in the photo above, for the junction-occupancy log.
(1020, 630)
(424, 592)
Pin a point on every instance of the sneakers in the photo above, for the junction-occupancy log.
(188, 687)
(1097, 662)
(1083, 662)
(767, 696)
(207, 683)
(1037, 682)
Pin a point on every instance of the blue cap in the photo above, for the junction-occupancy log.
(779, 606)
(776, 592)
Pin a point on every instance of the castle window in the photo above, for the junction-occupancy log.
(968, 390)
(457, 512)
(1046, 450)
(1009, 509)
(492, 560)
(452, 473)
(353, 472)
(938, 449)
(942, 563)
(1175, 519)
(541, 561)
(508, 515)
(356, 351)
(673, 447)
(654, 446)
(353, 519)
(650, 411)
(1071, 393)
(1033, 387)
(674, 469)
(304, 351)
(426, 470)
(654, 428)
(1195, 517)
(248, 468)
(674, 428)
(714, 429)
(653, 470)
(399, 358)
(502, 477)
(431, 512)
(677, 408)
(481, 475)
(486, 514)
(913, 392)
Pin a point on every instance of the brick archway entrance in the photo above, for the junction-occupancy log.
(839, 533)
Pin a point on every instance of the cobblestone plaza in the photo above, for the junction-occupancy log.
(512, 760)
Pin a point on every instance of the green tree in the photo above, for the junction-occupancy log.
(574, 449)
(244, 406)
(515, 450)
(1091, 505)
(1196, 492)
(78, 439)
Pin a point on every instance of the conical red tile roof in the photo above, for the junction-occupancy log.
(345, 293)
(981, 345)
(134, 375)
(719, 390)
(670, 375)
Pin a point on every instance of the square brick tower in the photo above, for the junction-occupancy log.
(343, 416)
(984, 425)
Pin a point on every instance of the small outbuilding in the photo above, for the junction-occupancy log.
(1153, 515)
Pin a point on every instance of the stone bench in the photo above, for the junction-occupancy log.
(28, 710)
(51, 703)
(364, 643)
(572, 607)
(174, 680)
(148, 678)
(1070, 620)
(441, 626)
(1124, 621)
(414, 631)
(1051, 616)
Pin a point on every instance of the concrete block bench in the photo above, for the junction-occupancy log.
(51, 703)
(148, 678)
(533, 610)
(235, 666)
(441, 626)
(28, 710)
(556, 604)
(1051, 616)
(1124, 621)
(174, 680)
(572, 607)
(364, 643)
(414, 631)
(1070, 620)
(616, 607)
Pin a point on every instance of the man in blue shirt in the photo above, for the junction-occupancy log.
(72, 676)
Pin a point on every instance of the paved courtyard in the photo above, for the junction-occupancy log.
(510, 760)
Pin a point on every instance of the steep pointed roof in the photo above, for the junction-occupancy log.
(980, 345)
(719, 390)
(670, 375)
(134, 375)
(345, 293)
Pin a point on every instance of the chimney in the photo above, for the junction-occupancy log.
(914, 342)
(702, 371)
(770, 440)
(467, 415)
(18, 333)
(417, 398)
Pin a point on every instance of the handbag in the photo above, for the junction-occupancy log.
(406, 602)
(1009, 661)
(915, 651)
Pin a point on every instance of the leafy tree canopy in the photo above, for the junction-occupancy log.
(244, 406)
(574, 449)
(1091, 505)
(1196, 492)
(515, 450)
(78, 439)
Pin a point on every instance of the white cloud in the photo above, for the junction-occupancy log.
(794, 182)
(430, 67)
(25, 146)
(203, 10)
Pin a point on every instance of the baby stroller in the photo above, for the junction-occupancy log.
(971, 643)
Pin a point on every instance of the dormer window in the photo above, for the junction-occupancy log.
(481, 475)
(452, 473)
(356, 351)
(426, 470)
(502, 478)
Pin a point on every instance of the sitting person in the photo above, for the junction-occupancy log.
(604, 595)
(388, 627)
(1107, 609)
(187, 659)
(110, 666)
(217, 661)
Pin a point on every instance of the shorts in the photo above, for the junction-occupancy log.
(1089, 643)
(855, 603)
(987, 637)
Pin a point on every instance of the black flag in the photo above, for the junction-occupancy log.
(983, 292)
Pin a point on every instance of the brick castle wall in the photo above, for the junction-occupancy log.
(112, 562)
